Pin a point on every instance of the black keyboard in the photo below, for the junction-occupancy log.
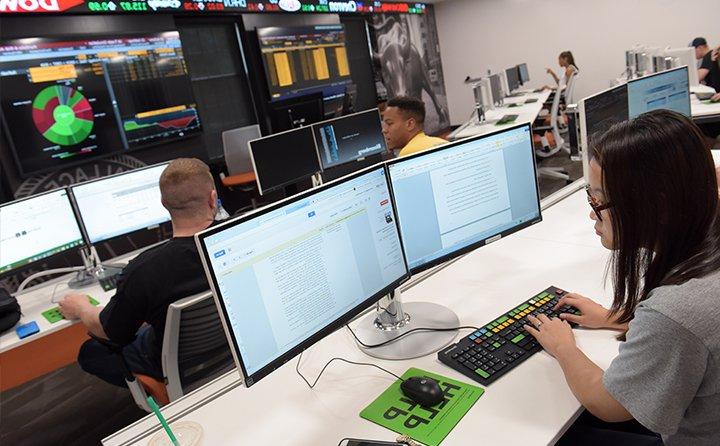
(108, 283)
(531, 101)
(490, 352)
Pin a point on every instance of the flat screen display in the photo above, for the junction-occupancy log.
(67, 101)
(120, 204)
(304, 60)
(36, 228)
(457, 197)
(284, 158)
(668, 90)
(350, 138)
(288, 276)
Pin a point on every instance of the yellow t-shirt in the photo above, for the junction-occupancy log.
(419, 143)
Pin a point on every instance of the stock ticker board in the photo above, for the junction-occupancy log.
(11, 7)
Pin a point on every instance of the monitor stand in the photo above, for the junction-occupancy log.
(392, 318)
(94, 270)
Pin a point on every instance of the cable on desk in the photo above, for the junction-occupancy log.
(297, 369)
(47, 272)
(464, 327)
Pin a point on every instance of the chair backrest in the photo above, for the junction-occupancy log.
(235, 147)
(570, 88)
(555, 113)
(195, 348)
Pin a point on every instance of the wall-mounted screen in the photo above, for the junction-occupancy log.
(66, 101)
(304, 60)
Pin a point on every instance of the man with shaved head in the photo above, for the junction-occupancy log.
(135, 316)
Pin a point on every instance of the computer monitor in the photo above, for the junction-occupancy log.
(598, 113)
(523, 73)
(36, 228)
(496, 88)
(464, 195)
(284, 158)
(120, 204)
(513, 78)
(296, 112)
(292, 273)
(350, 138)
(685, 56)
(666, 90)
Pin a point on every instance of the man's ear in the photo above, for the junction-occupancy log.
(212, 200)
(411, 124)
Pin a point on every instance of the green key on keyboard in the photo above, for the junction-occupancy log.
(53, 315)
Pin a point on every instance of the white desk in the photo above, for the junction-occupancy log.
(531, 405)
(704, 111)
(37, 299)
(525, 112)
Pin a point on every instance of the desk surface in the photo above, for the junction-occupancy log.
(704, 109)
(525, 112)
(39, 298)
(563, 250)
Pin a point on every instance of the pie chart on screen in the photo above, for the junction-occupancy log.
(62, 115)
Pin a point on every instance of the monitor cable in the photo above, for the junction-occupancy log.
(297, 369)
(47, 272)
(389, 341)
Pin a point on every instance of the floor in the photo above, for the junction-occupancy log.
(66, 407)
(69, 407)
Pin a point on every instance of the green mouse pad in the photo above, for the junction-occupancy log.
(429, 426)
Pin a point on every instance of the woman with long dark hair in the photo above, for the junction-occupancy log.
(654, 198)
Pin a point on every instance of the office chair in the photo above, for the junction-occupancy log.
(237, 159)
(548, 139)
(195, 351)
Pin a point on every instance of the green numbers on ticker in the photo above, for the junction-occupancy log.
(111, 6)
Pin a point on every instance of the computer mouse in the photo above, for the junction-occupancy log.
(424, 391)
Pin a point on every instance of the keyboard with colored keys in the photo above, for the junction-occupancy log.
(488, 353)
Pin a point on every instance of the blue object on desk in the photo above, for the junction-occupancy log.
(28, 329)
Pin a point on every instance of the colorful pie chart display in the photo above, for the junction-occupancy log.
(62, 115)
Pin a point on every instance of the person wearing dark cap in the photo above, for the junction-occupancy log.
(709, 70)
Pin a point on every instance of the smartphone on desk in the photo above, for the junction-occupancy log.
(358, 442)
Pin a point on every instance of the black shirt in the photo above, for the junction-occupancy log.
(149, 284)
(712, 79)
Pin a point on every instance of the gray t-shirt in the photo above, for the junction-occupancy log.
(667, 374)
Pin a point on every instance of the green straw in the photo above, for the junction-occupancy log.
(165, 425)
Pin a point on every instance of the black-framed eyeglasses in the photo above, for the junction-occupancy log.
(596, 207)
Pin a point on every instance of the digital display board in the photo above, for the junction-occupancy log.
(211, 6)
(66, 101)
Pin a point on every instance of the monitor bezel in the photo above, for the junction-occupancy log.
(354, 160)
(464, 250)
(660, 73)
(83, 239)
(263, 191)
(76, 205)
(250, 379)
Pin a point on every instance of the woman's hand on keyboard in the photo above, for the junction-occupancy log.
(593, 315)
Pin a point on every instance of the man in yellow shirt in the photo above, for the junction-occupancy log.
(403, 121)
